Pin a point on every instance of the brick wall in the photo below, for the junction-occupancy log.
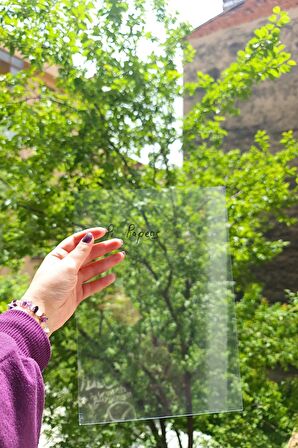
(215, 52)
(272, 107)
(246, 12)
(16, 63)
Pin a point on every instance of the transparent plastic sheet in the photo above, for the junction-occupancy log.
(161, 341)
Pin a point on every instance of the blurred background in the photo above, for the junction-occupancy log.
(152, 94)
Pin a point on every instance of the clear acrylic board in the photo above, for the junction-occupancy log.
(161, 341)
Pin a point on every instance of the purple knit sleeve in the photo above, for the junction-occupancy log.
(25, 351)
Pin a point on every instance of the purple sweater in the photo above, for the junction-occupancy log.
(25, 351)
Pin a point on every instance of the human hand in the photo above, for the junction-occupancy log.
(59, 284)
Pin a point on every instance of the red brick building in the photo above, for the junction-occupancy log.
(14, 64)
(272, 107)
(217, 42)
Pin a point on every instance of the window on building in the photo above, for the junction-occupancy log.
(10, 63)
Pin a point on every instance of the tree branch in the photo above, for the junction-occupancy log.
(178, 437)
(159, 440)
(163, 430)
(190, 431)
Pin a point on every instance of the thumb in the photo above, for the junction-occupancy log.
(82, 250)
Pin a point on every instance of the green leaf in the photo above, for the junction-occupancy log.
(277, 10)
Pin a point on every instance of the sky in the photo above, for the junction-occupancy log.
(196, 12)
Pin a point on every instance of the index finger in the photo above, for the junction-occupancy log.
(72, 241)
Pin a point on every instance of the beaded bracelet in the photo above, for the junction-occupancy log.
(28, 305)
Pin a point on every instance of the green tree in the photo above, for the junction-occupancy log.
(82, 137)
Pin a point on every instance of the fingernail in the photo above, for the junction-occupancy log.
(123, 252)
(87, 238)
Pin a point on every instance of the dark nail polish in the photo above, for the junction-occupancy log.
(87, 238)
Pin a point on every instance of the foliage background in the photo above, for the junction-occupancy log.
(82, 137)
